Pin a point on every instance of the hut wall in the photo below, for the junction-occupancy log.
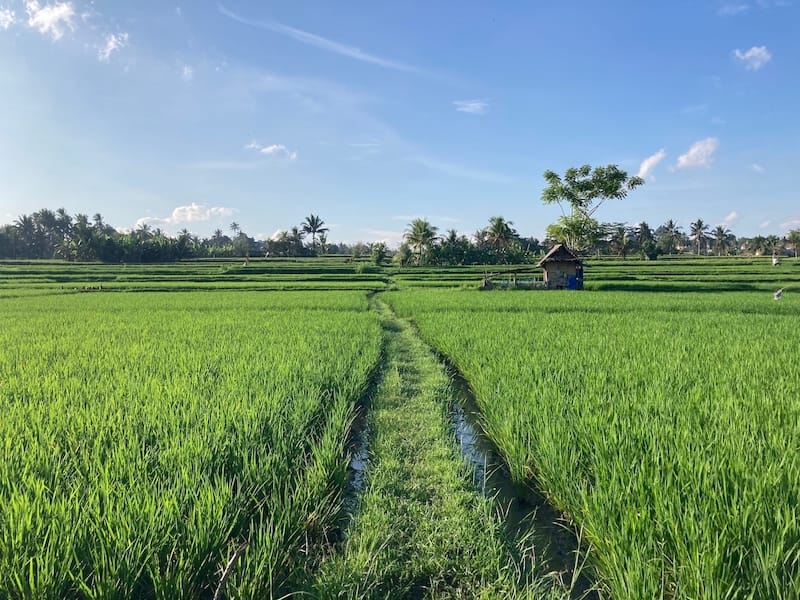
(556, 273)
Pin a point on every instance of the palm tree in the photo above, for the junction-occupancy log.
(314, 225)
(64, 222)
(420, 235)
(794, 239)
(722, 239)
(26, 234)
(699, 232)
(499, 233)
(620, 241)
(144, 231)
(670, 236)
(234, 227)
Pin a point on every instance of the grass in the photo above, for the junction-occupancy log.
(146, 438)
(666, 425)
(421, 529)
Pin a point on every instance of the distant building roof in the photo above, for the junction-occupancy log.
(559, 253)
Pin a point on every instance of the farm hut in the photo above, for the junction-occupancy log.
(562, 269)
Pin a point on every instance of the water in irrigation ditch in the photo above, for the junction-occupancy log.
(555, 541)
(357, 467)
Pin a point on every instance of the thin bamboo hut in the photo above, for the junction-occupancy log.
(563, 270)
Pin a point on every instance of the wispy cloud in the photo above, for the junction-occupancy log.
(51, 19)
(456, 170)
(730, 219)
(791, 223)
(438, 218)
(310, 39)
(700, 154)
(192, 213)
(650, 163)
(754, 58)
(695, 109)
(114, 42)
(187, 73)
(472, 107)
(764, 224)
(7, 18)
(731, 9)
(272, 150)
(757, 168)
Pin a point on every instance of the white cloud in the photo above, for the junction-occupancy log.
(473, 107)
(114, 41)
(388, 237)
(757, 168)
(7, 18)
(192, 213)
(272, 150)
(187, 73)
(51, 19)
(649, 163)
(792, 223)
(317, 41)
(700, 154)
(729, 220)
(765, 224)
(730, 9)
(753, 59)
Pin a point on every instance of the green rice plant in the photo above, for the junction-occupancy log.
(666, 425)
(147, 437)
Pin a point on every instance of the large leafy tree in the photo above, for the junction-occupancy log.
(420, 235)
(583, 190)
(313, 225)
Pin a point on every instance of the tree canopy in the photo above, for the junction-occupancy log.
(584, 190)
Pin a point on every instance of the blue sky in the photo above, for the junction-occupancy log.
(373, 113)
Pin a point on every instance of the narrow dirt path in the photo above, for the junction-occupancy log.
(421, 529)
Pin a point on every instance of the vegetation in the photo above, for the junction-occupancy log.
(673, 455)
(148, 439)
(584, 190)
(420, 529)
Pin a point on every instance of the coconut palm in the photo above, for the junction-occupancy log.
(420, 236)
(699, 233)
(314, 225)
(620, 240)
(794, 239)
(669, 237)
(722, 239)
(500, 233)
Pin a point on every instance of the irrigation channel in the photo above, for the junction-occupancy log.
(432, 512)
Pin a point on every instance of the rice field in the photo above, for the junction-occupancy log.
(148, 439)
(666, 425)
(164, 422)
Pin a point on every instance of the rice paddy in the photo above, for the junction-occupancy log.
(181, 431)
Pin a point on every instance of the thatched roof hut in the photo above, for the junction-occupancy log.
(562, 269)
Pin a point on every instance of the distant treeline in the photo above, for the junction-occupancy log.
(47, 234)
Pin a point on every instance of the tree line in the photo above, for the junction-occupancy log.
(47, 234)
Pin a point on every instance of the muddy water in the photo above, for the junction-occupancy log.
(359, 459)
(555, 541)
